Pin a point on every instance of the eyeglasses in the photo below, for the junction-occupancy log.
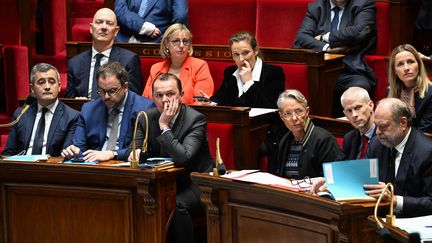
(302, 183)
(296, 112)
(356, 108)
(110, 92)
(176, 42)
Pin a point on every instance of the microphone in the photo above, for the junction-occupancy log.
(390, 218)
(220, 166)
(31, 99)
(144, 151)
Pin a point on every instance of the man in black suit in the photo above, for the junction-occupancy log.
(405, 159)
(358, 108)
(351, 33)
(82, 67)
(177, 131)
(48, 125)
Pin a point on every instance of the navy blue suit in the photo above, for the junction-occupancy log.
(161, 13)
(413, 180)
(79, 71)
(92, 124)
(423, 110)
(60, 133)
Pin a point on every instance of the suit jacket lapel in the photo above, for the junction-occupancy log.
(58, 113)
(126, 119)
(86, 63)
(178, 125)
(28, 120)
(405, 161)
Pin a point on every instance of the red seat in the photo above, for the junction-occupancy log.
(214, 21)
(278, 21)
(225, 133)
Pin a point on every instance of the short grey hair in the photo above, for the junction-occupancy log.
(42, 68)
(398, 109)
(357, 92)
(291, 94)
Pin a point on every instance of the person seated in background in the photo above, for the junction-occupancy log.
(177, 131)
(105, 126)
(304, 149)
(250, 82)
(346, 27)
(82, 68)
(404, 158)
(358, 109)
(176, 49)
(48, 125)
(409, 82)
(147, 20)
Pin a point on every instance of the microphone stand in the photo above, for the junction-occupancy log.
(383, 232)
(134, 162)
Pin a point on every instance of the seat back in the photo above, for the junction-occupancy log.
(225, 134)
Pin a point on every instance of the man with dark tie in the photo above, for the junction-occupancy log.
(405, 158)
(105, 126)
(48, 125)
(82, 67)
(358, 109)
(347, 27)
(177, 131)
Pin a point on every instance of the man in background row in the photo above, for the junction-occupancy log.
(358, 108)
(105, 126)
(147, 20)
(82, 68)
(48, 125)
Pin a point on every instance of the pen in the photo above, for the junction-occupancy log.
(428, 226)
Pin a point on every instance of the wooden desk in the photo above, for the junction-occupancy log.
(53, 202)
(245, 212)
(323, 69)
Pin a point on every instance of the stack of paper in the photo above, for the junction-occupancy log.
(421, 225)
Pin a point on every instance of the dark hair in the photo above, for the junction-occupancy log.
(113, 68)
(166, 77)
(246, 36)
(43, 68)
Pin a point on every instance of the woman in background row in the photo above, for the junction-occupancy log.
(304, 149)
(251, 82)
(409, 82)
(176, 49)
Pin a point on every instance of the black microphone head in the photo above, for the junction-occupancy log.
(414, 238)
(31, 99)
(221, 169)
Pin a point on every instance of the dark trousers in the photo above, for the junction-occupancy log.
(181, 228)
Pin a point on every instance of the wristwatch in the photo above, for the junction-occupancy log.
(115, 155)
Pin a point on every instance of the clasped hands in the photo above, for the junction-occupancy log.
(90, 155)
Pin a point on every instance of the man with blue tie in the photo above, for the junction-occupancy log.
(105, 126)
(147, 20)
(82, 67)
(346, 27)
(48, 125)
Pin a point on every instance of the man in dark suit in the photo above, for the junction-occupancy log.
(405, 159)
(147, 20)
(177, 131)
(48, 125)
(105, 126)
(358, 108)
(351, 33)
(82, 67)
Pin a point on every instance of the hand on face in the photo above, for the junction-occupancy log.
(170, 107)
(245, 72)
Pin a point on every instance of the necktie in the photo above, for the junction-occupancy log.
(143, 8)
(112, 140)
(94, 94)
(335, 21)
(365, 144)
(391, 166)
(39, 136)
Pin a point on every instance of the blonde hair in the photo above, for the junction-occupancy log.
(396, 85)
(167, 36)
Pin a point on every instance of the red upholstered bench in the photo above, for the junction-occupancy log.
(278, 21)
(225, 133)
(214, 21)
(80, 16)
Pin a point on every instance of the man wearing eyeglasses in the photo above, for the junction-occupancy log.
(105, 126)
(82, 68)
(177, 131)
(358, 109)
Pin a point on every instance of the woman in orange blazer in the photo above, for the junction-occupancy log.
(176, 49)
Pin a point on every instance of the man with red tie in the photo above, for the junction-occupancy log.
(358, 108)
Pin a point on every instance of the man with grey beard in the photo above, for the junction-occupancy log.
(405, 159)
